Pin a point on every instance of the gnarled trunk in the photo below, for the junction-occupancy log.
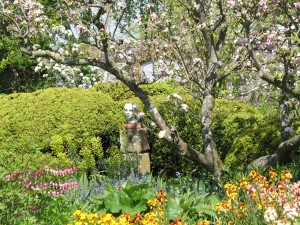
(213, 161)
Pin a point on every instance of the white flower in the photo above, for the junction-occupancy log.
(121, 5)
(177, 96)
(184, 107)
(290, 212)
(270, 215)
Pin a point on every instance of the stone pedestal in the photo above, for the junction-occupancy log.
(144, 165)
(136, 141)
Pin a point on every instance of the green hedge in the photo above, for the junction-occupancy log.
(84, 125)
(119, 92)
(70, 123)
(233, 121)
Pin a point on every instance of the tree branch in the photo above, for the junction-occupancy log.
(282, 154)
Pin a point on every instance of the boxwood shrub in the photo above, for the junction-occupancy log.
(73, 124)
(84, 125)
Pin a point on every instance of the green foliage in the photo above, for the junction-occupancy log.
(261, 139)
(230, 119)
(83, 126)
(187, 196)
(120, 166)
(127, 198)
(119, 92)
(73, 124)
(17, 70)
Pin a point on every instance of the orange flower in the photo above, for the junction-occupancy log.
(273, 175)
(204, 222)
(137, 218)
(286, 175)
(244, 182)
(176, 221)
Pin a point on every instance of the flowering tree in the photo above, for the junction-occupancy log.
(199, 42)
(269, 31)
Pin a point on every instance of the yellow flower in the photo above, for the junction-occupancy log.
(204, 222)
(273, 175)
(106, 218)
(244, 182)
(259, 206)
(232, 195)
(153, 202)
(83, 216)
(77, 213)
(286, 175)
(253, 174)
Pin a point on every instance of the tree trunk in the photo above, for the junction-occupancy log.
(214, 163)
(286, 121)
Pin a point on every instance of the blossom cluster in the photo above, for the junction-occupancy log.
(44, 181)
(276, 200)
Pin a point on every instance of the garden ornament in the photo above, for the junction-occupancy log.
(130, 110)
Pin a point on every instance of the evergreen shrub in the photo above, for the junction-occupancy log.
(83, 126)
(73, 124)
(119, 91)
(241, 132)
(253, 142)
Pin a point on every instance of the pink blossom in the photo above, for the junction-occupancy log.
(149, 6)
(297, 4)
(197, 61)
(168, 98)
(176, 38)
(138, 20)
(232, 4)
(153, 16)
(121, 5)
(140, 115)
(33, 208)
(184, 107)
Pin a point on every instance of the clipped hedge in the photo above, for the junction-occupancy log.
(70, 123)
(261, 139)
(120, 92)
(83, 125)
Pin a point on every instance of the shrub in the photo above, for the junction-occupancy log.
(70, 123)
(231, 118)
(253, 142)
(119, 92)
